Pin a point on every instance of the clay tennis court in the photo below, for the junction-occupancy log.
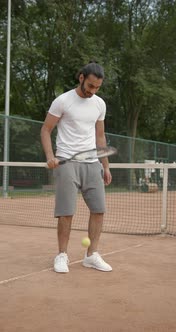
(138, 295)
(127, 212)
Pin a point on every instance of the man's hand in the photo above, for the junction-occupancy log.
(52, 163)
(107, 176)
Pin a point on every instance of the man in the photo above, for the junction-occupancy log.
(79, 116)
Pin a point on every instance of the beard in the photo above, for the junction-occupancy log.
(85, 93)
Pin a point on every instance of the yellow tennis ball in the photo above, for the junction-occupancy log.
(85, 242)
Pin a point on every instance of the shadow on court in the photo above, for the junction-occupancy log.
(138, 295)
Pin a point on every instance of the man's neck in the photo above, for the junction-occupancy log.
(79, 92)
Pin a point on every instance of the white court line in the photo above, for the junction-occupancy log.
(72, 263)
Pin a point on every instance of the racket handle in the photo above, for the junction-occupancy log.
(61, 162)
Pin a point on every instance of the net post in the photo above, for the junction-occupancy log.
(7, 105)
(6, 156)
(5, 181)
(164, 209)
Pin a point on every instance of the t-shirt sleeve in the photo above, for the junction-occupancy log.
(57, 107)
(102, 110)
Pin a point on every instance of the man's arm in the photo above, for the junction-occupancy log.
(101, 142)
(46, 130)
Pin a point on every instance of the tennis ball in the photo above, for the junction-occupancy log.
(85, 242)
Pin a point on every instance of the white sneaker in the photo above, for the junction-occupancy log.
(61, 263)
(95, 261)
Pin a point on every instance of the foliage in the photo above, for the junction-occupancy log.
(134, 40)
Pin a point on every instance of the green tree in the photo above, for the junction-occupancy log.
(133, 39)
(161, 105)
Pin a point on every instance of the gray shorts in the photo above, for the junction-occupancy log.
(72, 177)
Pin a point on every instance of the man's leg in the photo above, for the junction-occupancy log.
(94, 196)
(92, 259)
(63, 232)
(94, 231)
(65, 204)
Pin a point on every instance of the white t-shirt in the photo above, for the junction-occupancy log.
(76, 127)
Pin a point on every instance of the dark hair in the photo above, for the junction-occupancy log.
(91, 68)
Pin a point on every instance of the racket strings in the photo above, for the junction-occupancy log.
(96, 153)
(87, 155)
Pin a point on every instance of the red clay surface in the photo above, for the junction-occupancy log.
(138, 295)
(128, 213)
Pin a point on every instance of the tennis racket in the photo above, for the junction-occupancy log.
(89, 155)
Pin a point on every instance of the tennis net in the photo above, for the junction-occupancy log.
(140, 200)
